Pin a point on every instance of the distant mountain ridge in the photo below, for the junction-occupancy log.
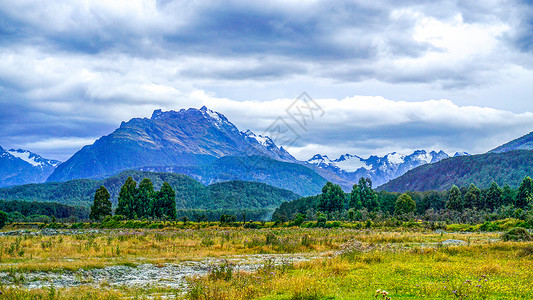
(504, 168)
(18, 166)
(522, 143)
(379, 169)
(185, 138)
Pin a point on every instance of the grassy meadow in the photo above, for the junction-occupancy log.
(347, 263)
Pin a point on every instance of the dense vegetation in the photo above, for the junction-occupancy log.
(289, 176)
(459, 205)
(34, 211)
(503, 168)
(190, 194)
(144, 202)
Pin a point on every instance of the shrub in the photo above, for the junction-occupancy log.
(516, 234)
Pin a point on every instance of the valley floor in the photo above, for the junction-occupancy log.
(269, 263)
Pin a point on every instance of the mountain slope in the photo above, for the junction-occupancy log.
(22, 167)
(507, 167)
(294, 177)
(523, 143)
(185, 137)
(189, 192)
(379, 169)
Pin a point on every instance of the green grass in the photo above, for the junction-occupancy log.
(352, 263)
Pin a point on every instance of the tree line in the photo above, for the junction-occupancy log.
(335, 203)
(136, 202)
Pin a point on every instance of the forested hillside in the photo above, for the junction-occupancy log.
(503, 168)
(190, 194)
(295, 177)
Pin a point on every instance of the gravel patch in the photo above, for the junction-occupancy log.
(146, 275)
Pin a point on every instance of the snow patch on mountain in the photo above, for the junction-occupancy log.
(263, 140)
(379, 169)
(395, 158)
(25, 156)
(351, 163)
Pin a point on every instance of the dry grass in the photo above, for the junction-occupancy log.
(353, 264)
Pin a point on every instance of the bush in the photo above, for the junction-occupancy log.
(3, 219)
(516, 234)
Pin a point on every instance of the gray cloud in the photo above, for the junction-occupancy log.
(70, 71)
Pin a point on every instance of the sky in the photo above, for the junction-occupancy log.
(386, 75)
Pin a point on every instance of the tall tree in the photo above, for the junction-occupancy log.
(126, 199)
(143, 196)
(508, 195)
(404, 205)
(164, 203)
(455, 200)
(525, 193)
(355, 198)
(101, 205)
(331, 199)
(493, 198)
(368, 197)
(472, 197)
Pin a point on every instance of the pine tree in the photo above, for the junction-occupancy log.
(494, 196)
(143, 199)
(355, 198)
(164, 203)
(126, 206)
(473, 197)
(331, 199)
(101, 205)
(508, 195)
(525, 193)
(455, 201)
(404, 205)
(368, 197)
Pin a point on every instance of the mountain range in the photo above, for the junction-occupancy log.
(506, 164)
(19, 166)
(205, 145)
(379, 169)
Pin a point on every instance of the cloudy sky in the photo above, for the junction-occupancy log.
(451, 75)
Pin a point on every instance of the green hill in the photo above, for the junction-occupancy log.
(190, 194)
(507, 167)
(294, 177)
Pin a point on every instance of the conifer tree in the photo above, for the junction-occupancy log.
(473, 197)
(126, 198)
(143, 199)
(368, 197)
(508, 195)
(164, 203)
(455, 200)
(331, 199)
(494, 196)
(525, 193)
(101, 205)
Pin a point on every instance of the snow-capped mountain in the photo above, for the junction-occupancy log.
(379, 169)
(188, 137)
(22, 167)
(33, 159)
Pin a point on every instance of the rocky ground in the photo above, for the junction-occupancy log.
(146, 275)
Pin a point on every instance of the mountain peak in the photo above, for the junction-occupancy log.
(169, 138)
